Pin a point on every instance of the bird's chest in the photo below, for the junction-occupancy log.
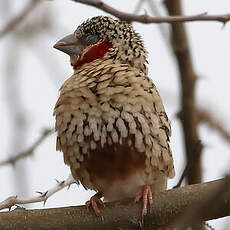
(103, 142)
(105, 130)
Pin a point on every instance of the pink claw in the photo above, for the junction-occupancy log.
(147, 197)
(95, 201)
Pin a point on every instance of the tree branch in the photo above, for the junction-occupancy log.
(14, 200)
(12, 160)
(208, 118)
(188, 115)
(167, 207)
(211, 201)
(18, 18)
(148, 19)
(197, 148)
(188, 77)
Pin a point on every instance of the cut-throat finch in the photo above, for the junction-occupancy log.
(111, 124)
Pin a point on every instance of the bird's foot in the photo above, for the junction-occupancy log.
(147, 197)
(95, 201)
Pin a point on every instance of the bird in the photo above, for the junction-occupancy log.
(110, 120)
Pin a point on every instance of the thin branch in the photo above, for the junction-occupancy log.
(197, 148)
(188, 115)
(187, 76)
(208, 118)
(148, 19)
(166, 207)
(13, 22)
(15, 200)
(12, 160)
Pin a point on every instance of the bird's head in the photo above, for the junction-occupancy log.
(102, 37)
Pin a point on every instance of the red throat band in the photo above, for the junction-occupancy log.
(97, 51)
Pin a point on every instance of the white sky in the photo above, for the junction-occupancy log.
(43, 69)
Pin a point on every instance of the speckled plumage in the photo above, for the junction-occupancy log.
(110, 121)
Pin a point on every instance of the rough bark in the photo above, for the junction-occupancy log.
(176, 207)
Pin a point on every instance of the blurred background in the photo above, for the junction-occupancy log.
(31, 73)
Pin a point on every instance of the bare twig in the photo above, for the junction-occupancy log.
(208, 118)
(13, 22)
(188, 115)
(12, 160)
(197, 148)
(14, 200)
(148, 19)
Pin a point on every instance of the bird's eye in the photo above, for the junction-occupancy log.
(92, 39)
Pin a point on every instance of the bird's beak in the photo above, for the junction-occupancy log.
(69, 45)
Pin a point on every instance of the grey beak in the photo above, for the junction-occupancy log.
(69, 45)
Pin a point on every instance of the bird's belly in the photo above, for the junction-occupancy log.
(118, 171)
(121, 189)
